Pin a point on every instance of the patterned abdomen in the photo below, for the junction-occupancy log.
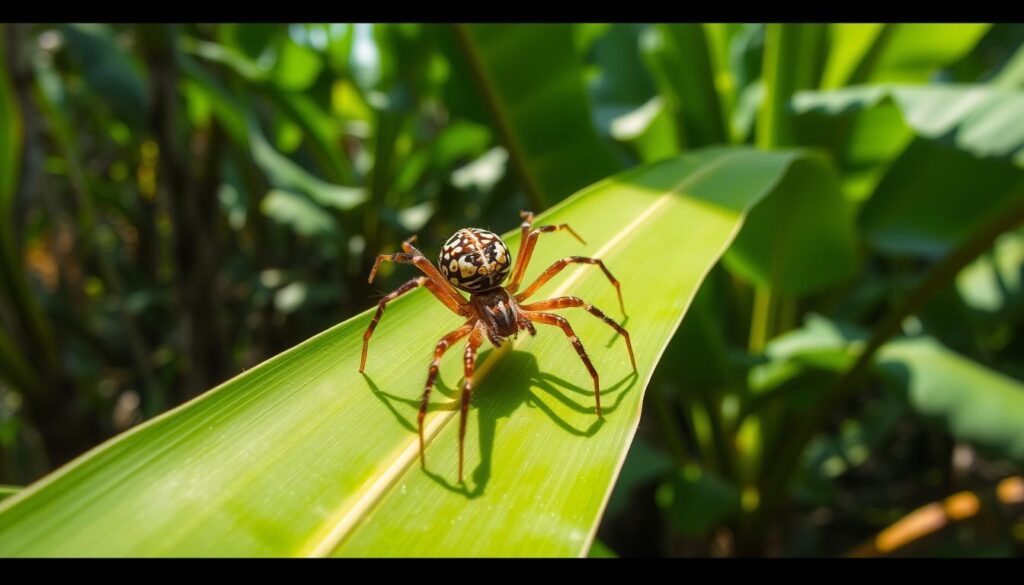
(475, 260)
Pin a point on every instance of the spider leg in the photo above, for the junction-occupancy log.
(442, 346)
(411, 285)
(527, 243)
(475, 339)
(407, 287)
(558, 321)
(569, 302)
(557, 267)
(441, 288)
(430, 270)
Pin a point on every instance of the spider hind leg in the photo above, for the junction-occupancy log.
(469, 359)
(558, 321)
(442, 347)
(569, 302)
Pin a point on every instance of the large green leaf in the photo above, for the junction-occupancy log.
(972, 402)
(802, 240)
(934, 197)
(297, 67)
(790, 64)
(979, 119)
(620, 81)
(299, 213)
(1012, 74)
(322, 130)
(286, 174)
(896, 52)
(939, 160)
(649, 131)
(994, 283)
(851, 45)
(541, 111)
(302, 455)
(679, 58)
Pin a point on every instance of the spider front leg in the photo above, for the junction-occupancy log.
(442, 346)
(442, 289)
(557, 321)
(407, 287)
(527, 243)
(475, 339)
(436, 285)
(559, 266)
(570, 302)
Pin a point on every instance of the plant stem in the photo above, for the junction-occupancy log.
(718, 41)
(686, 67)
(781, 48)
(761, 319)
(500, 117)
(786, 69)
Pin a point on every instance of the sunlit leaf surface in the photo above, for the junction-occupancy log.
(302, 455)
(896, 52)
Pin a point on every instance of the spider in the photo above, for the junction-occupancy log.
(477, 261)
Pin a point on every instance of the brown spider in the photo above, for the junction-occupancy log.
(477, 261)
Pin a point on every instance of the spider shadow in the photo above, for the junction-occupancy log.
(409, 423)
(526, 385)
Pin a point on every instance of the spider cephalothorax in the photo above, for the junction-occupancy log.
(477, 261)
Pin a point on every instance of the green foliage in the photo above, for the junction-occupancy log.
(678, 55)
(895, 52)
(109, 70)
(698, 501)
(306, 422)
(188, 204)
(969, 401)
(541, 111)
(967, 138)
(773, 249)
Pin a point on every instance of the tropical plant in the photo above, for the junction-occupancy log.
(192, 207)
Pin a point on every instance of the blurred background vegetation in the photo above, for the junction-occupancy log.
(180, 202)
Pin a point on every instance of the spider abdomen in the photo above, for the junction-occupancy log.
(475, 260)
